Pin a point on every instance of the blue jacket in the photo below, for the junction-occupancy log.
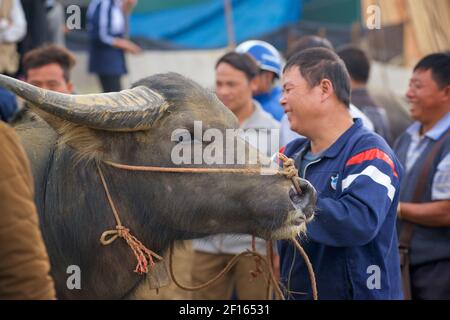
(8, 105)
(271, 102)
(105, 22)
(352, 241)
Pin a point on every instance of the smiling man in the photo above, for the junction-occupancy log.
(352, 243)
(427, 220)
(47, 67)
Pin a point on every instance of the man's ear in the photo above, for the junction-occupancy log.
(267, 77)
(254, 84)
(70, 87)
(446, 93)
(326, 88)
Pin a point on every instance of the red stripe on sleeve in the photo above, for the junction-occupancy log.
(370, 155)
(282, 149)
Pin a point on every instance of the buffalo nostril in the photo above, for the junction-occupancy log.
(295, 197)
(309, 191)
(306, 187)
(306, 201)
(309, 212)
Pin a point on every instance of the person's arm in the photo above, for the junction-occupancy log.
(369, 187)
(437, 212)
(126, 45)
(105, 37)
(128, 6)
(24, 264)
(17, 26)
(430, 214)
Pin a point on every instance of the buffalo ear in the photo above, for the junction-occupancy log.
(87, 142)
(53, 121)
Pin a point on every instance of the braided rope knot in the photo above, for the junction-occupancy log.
(141, 252)
(143, 255)
(290, 171)
(258, 270)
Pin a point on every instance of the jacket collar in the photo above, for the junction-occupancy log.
(435, 133)
(334, 150)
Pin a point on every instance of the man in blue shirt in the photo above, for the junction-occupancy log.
(270, 63)
(352, 242)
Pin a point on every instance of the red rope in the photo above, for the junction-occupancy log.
(142, 253)
(258, 269)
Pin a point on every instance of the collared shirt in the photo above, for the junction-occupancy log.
(287, 135)
(441, 182)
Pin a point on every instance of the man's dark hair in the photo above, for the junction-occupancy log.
(307, 42)
(242, 62)
(48, 54)
(316, 64)
(356, 61)
(439, 63)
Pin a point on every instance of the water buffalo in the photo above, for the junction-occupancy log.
(134, 127)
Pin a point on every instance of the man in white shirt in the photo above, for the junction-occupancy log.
(234, 86)
(13, 28)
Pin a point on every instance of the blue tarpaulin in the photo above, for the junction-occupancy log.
(202, 25)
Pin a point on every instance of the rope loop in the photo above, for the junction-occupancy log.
(144, 256)
(290, 171)
(109, 237)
